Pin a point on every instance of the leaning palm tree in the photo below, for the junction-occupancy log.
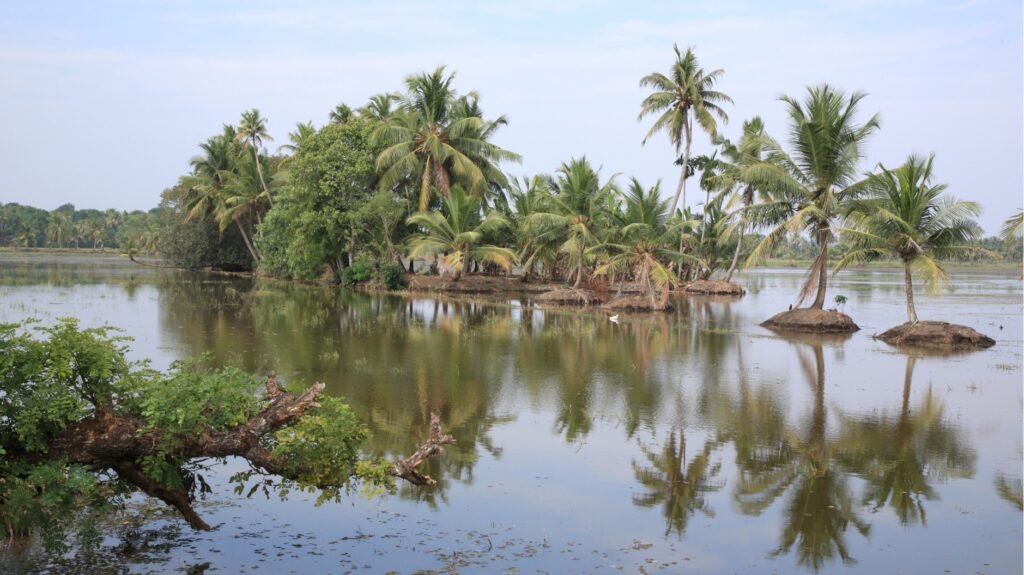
(905, 215)
(434, 141)
(687, 92)
(456, 232)
(577, 206)
(252, 130)
(734, 179)
(811, 186)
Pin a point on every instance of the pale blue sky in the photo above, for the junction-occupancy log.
(103, 103)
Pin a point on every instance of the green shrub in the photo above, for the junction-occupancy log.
(361, 270)
(392, 276)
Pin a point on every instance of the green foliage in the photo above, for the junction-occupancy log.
(392, 276)
(322, 448)
(197, 243)
(314, 223)
(360, 271)
(197, 397)
(80, 377)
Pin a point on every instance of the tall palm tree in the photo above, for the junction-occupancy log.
(685, 93)
(435, 140)
(904, 214)
(252, 130)
(811, 186)
(456, 232)
(578, 207)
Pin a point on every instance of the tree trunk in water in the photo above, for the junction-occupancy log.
(909, 285)
(248, 244)
(109, 441)
(822, 264)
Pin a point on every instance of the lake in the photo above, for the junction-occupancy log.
(691, 441)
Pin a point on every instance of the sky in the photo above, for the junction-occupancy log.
(103, 103)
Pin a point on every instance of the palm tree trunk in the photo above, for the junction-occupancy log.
(822, 265)
(681, 188)
(736, 254)
(248, 244)
(259, 170)
(909, 285)
(579, 270)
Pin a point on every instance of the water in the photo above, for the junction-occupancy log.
(690, 441)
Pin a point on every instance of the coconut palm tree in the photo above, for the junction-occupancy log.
(303, 131)
(456, 232)
(642, 241)
(252, 130)
(811, 186)
(905, 215)
(1013, 227)
(435, 140)
(218, 175)
(534, 243)
(60, 228)
(733, 178)
(380, 106)
(687, 92)
(341, 114)
(577, 206)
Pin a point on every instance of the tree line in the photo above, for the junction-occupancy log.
(415, 175)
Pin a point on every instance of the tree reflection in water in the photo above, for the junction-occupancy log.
(676, 485)
(900, 456)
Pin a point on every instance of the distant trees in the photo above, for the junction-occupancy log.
(345, 192)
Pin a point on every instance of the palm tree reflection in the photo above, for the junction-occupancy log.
(676, 485)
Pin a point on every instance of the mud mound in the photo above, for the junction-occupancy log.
(937, 334)
(714, 287)
(570, 296)
(811, 321)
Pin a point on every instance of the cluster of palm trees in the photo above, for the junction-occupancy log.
(433, 147)
(227, 183)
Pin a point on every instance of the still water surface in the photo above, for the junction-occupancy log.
(693, 441)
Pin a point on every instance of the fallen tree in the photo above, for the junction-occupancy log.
(81, 426)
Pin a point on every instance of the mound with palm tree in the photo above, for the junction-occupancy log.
(809, 189)
(904, 215)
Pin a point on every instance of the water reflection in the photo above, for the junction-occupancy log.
(902, 456)
(696, 401)
(676, 485)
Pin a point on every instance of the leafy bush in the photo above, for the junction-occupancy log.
(392, 276)
(360, 271)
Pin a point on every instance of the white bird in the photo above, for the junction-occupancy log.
(614, 318)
